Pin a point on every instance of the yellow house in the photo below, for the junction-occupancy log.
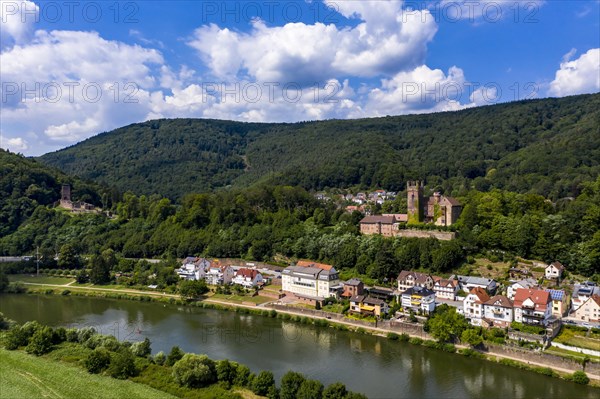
(559, 302)
(370, 306)
(589, 310)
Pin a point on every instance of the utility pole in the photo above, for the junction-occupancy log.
(37, 259)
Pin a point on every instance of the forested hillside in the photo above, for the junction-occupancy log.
(26, 184)
(547, 147)
(265, 222)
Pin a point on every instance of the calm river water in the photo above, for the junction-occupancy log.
(375, 366)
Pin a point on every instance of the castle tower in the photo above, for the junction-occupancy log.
(65, 193)
(414, 193)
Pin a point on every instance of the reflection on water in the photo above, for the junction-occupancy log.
(375, 366)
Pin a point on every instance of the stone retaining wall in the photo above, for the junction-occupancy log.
(440, 235)
(542, 357)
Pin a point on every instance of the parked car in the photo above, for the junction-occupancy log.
(586, 324)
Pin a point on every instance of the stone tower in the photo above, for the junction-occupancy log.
(65, 193)
(414, 193)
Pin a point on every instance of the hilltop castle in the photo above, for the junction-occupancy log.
(77, 206)
(437, 209)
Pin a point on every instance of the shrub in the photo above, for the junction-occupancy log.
(59, 335)
(290, 384)
(404, 337)
(263, 382)
(175, 355)
(310, 389)
(226, 372)
(242, 376)
(15, 338)
(580, 377)
(122, 364)
(335, 391)
(65, 292)
(195, 371)
(160, 358)
(142, 348)
(40, 342)
(97, 361)
(72, 335)
(83, 334)
(415, 341)
(393, 336)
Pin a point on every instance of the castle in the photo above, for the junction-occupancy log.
(437, 209)
(77, 206)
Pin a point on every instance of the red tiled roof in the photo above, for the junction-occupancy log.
(596, 299)
(250, 273)
(540, 298)
(481, 294)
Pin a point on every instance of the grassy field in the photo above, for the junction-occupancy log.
(26, 376)
(27, 278)
(577, 338)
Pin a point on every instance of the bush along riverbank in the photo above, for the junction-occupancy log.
(183, 375)
(475, 348)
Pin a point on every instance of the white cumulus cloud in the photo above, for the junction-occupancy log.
(385, 41)
(578, 76)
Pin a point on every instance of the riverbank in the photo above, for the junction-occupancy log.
(537, 362)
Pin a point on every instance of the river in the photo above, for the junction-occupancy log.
(375, 366)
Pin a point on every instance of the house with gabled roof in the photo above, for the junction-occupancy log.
(589, 310)
(248, 278)
(473, 305)
(554, 270)
(445, 288)
(408, 279)
(498, 312)
(525, 283)
(532, 306)
(364, 304)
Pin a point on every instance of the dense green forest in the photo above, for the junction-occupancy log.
(26, 184)
(266, 222)
(547, 147)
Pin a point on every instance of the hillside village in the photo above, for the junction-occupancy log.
(483, 301)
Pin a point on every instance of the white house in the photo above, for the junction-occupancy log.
(581, 293)
(445, 288)
(467, 283)
(589, 310)
(314, 281)
(498, 311)
(418, 299)
(247, 278)
(408, 279)
(193, 268)
(554, 270)
(532, 306)
(525, 283)
(473, 305)
(219, 274)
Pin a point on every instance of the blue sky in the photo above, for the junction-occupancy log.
(70, 70)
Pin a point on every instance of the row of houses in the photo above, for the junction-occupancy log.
(215, 273)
